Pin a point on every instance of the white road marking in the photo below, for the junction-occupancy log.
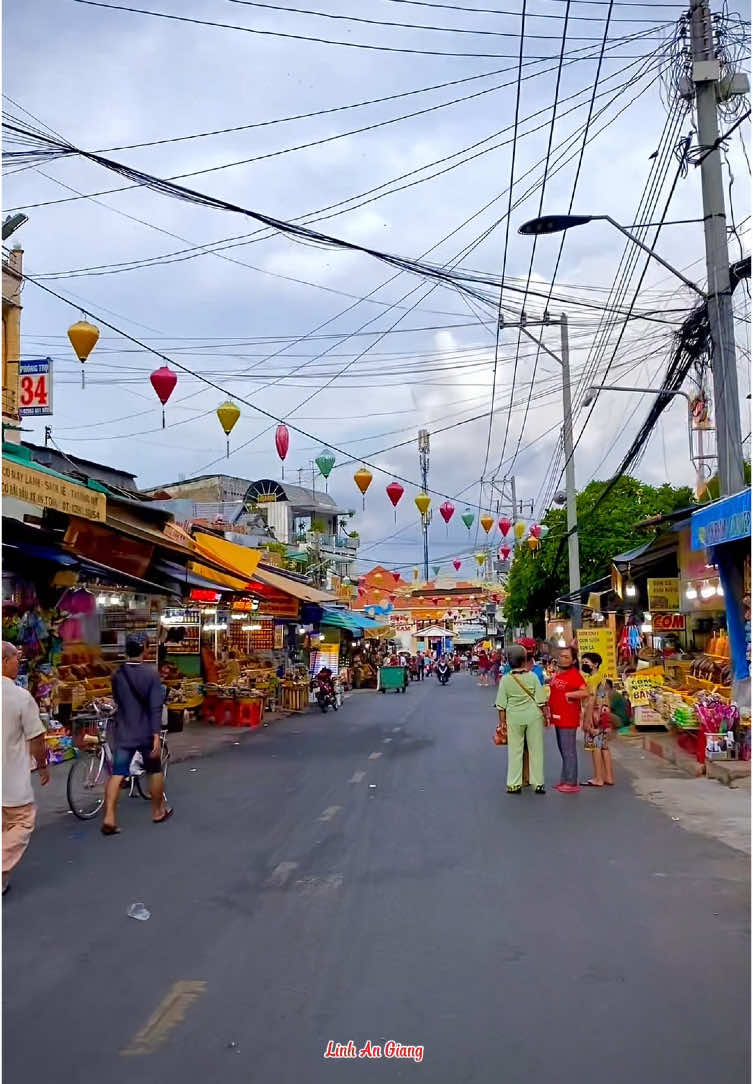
(357, 777)
(330, 812)
(386, 741)
(396, 729)
(281, 874)
(374, 756)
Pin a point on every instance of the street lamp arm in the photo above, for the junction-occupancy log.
(546, 224)
(593, 392)
(648, 391)
(651, 252)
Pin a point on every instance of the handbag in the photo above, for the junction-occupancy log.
(500, 735)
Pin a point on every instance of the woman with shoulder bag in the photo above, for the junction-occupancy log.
(520, 703)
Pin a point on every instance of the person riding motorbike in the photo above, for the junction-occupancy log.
(443, 671)
(325, 689)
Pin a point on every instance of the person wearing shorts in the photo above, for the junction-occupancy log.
(139, 695)
(597, 722)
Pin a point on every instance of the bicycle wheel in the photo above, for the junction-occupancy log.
(86, 784)
(142, 781)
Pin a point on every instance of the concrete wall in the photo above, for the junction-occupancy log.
(12, 279)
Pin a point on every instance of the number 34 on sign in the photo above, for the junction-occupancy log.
(35, 387)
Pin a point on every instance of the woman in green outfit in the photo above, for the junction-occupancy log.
(520, 701)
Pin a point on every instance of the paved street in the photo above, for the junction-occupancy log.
(364, 876)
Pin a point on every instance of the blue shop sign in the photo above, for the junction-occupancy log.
(722, 521)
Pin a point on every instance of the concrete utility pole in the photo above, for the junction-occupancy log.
(573, 546)
(563, 359)
(423, 461)
(723, 360)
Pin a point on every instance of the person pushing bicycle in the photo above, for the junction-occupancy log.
(139, 695)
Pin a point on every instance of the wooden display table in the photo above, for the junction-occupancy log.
(294, 696)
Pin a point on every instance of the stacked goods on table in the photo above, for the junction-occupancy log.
(82, 676)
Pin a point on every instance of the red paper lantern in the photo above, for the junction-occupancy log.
(282, 443)
(536, 530)
(447, 511)
(396, 577)
(504, 526)
(456, 563)
(504, 552)
(163, 380)
(395, 492)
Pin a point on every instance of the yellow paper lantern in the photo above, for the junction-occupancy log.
(227, 415)
(520, 529)
(363, 478)
(83, 336)
(480, 559)
(487, 522)
(422, 503)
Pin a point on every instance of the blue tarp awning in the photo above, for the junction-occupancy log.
(346, 619)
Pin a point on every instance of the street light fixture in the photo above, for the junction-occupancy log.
(546, 224)
(13, 223)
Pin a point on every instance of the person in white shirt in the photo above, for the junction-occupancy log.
(23, 735)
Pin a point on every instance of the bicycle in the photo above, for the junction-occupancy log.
(90, 772)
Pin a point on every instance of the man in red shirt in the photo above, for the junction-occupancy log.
(568, 688)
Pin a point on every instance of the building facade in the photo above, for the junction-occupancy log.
(309, 523)
(12, 282)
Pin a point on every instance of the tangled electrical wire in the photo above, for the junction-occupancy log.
(731, 39)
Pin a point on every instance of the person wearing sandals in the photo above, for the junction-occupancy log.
(520, 702)
(139, 695)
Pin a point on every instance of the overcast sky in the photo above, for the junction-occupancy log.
(105, 79)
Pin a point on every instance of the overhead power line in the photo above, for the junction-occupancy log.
(339, 17)
(302, 37)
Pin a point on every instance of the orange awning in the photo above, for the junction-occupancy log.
(238, 560)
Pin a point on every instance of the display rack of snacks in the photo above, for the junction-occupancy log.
(124, 613)
(183, 631)
(250, 633)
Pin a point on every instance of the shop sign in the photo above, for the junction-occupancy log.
(265, 491)
(602, 641)
(282, 607)
(723, 521)
(46, 491)
(640, 685)
(279, 637)
(35, 388)
(200, 594)
(246, 605)
(663, 594)
(668, 622)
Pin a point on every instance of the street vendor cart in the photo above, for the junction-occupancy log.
(393, 677)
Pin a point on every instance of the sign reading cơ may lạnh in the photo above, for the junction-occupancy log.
(46, 491)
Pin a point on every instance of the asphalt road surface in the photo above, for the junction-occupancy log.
(364, 877)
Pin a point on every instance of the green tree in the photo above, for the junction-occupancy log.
(536, 580)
